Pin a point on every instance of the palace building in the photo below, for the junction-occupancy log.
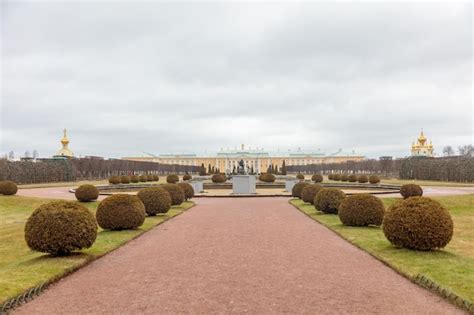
(256, 159)
(421, 147)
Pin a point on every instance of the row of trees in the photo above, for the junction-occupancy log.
(456, 169)
(26, 172)
(385, 166)
(463, 150)
(11, 155)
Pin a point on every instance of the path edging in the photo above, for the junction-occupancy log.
(420, 279)
(33, 292)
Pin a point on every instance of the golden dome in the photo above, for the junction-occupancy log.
(422, 139)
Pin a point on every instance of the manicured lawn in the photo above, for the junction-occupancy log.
(21, 268)
(452, 267)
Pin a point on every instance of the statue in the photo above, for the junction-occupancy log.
(241, 168)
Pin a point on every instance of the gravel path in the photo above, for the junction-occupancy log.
(237, 255)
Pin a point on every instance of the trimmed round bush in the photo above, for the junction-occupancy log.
(336, 177)
(411, 190)
(8, 188)
(143, 178)
(352, 178)
(418, 223)
(297, 188)
(309, 192)
(150, 178)
(120, 212)
(60, 227)
(300, 176)
(156, 200)
(330, 176)
(188, 190)
(363, 179)
(156, 178)
(176, 193)
(361, 210)
(187, 177)
(267, 177)
(86, 193)
(344, 177)
(124, 179)
(114, 180)
(172, 179)
(134, 178)
(374, 179)
(317, 178)
(328, 200)
(219, 178)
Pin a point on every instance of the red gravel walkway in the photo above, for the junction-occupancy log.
(256, 255)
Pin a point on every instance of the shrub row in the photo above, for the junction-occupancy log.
(415, 222)
(125, 179)
(373, 179)
(61, 227)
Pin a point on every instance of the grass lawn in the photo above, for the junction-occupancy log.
(21, 268)
(452, 267)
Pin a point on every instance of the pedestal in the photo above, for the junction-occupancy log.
(197, 186)
(244, 184)
(289, 184)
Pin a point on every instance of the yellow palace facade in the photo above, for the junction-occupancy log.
(259, 160)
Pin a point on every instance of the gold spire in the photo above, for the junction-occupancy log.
(65, 150)
(65, 140)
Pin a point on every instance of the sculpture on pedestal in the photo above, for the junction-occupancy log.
(241, 168)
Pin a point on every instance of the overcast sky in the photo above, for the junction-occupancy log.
(190, 77)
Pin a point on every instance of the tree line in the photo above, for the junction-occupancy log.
(455, 168)
(52, 170)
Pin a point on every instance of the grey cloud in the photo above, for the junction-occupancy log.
(159, 77)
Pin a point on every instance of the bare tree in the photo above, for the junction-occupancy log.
(466, 150)
(27, 154)
(448, 150)
(11, 155)
(35, 154)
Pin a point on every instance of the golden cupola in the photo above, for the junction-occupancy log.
(421, 147)
(65, 152)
